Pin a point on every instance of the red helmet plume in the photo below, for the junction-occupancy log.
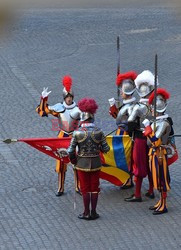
(67, 82)
(128, 75)
(160, 91)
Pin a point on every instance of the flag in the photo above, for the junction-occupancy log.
(54, 147)
(116, 162)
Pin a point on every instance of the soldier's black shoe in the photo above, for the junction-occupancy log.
(151, 196)
(84, 217)
(133, 198)
(156, 212)
(94, 216)
(59, 193)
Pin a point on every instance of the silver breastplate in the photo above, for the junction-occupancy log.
(124, 113)
(69, 119)
(140, 111)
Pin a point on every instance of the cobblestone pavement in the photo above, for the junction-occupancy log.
(42, 47)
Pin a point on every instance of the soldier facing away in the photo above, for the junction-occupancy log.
(90, 141)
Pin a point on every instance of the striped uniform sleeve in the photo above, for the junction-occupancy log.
(43, 110)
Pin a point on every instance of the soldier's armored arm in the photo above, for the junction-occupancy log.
(150, 134)
(162, 131)
(120, 115)
(75, 113)
(72, 149)
(140, 111)
(134, 114)
(104, 146)
(160, 136)
(132, 119)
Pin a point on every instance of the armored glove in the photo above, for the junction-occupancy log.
(45, 92)
(73, 158)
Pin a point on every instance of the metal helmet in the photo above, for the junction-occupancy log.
(85, 116)
(125, 82)
(128, 87)
(161, 100)
(66, 93)
(67, 83)
(145, 83)
(88, 107)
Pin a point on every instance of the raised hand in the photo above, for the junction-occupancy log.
(45, 92)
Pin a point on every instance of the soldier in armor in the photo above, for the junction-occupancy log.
(90, 141)
(68, 115)
(158, 136)
(140, 165)
(126, 85)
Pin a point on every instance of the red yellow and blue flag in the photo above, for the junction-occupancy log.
(115, 162)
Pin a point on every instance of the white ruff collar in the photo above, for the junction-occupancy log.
(69, 106)
(87, 124)
(162, 117)
(144, 100)
(129, 100)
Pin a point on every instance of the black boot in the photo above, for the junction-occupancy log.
(94, 215)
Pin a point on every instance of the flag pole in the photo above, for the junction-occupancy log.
(155, 90)
(118, 66)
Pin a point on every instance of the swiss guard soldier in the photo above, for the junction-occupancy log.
(140, 165)
(126, 85)
(158, 137)
(90, 141)
(68, 115)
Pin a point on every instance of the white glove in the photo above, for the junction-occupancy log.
(146, 123)
(45, 92)
(112, 101)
